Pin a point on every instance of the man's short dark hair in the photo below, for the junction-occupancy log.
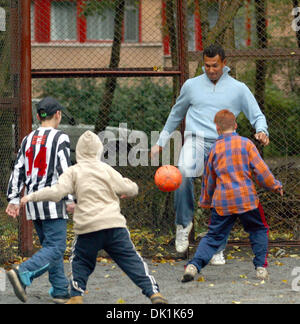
(214, 50)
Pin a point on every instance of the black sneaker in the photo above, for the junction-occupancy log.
(19, 287)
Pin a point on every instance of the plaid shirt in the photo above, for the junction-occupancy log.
(227, 182)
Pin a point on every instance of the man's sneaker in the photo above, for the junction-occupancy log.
(158, 298)
(189, 273)
(218, 259)
(262, 273)
(182, 237)
(18, 286)
(59, 299)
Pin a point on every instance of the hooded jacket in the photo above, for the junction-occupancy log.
(96, 185)
(200, 100)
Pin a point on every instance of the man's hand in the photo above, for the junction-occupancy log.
(262, 138)
(13, 210)
(280, 191)
(155, 149)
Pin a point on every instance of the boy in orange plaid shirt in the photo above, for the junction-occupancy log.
(228, 189)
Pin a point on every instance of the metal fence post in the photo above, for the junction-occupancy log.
(25, 235)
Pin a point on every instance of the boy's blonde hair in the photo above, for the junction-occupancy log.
(225, 120)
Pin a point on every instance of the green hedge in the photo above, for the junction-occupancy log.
(145, 105)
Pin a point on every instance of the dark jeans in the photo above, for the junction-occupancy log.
(254, 223)
(117, 243)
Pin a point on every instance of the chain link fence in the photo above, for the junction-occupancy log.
(120, 63)
(9, 117)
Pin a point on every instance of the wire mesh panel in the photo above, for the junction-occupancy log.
(120, 66)
(100, 34)
(261, 40)
(137, 113)
(9, 117)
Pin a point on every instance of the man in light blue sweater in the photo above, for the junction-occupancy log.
(199, 100)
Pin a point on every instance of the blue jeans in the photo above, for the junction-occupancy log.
(253, 222)
(191, 165)
(52, 235)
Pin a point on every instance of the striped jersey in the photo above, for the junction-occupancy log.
(227, 182)
(43, 156)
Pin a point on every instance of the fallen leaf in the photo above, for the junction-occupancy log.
(236, 302)
(201, 279)
(278, 263)
(121, 301)
(243, 276)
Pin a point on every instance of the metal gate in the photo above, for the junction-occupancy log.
(123, 62)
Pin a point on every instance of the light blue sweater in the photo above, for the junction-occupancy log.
(200, 99)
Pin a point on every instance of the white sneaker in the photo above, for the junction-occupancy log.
(262, 273)
(218, 259)
(189, 273)
(182, 237)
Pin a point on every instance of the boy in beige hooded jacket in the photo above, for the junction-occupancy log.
(98, 222)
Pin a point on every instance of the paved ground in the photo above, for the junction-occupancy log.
(234, 282)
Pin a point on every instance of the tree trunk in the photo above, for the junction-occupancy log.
(171, 29)
(111, 82)
(225, 20)
(262, 42)
(229, 36)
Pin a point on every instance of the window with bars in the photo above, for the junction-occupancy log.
(242, 27)
(58, 20)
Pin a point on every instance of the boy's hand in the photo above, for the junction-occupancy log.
(71, 208)
(280, 191)
(12, 210)
(262, 138)
(24, 201)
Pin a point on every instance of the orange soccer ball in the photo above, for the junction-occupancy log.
(168, 178)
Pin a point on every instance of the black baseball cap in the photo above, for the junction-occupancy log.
(48, 106)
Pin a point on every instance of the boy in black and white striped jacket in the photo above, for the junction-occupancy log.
(43, 156)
